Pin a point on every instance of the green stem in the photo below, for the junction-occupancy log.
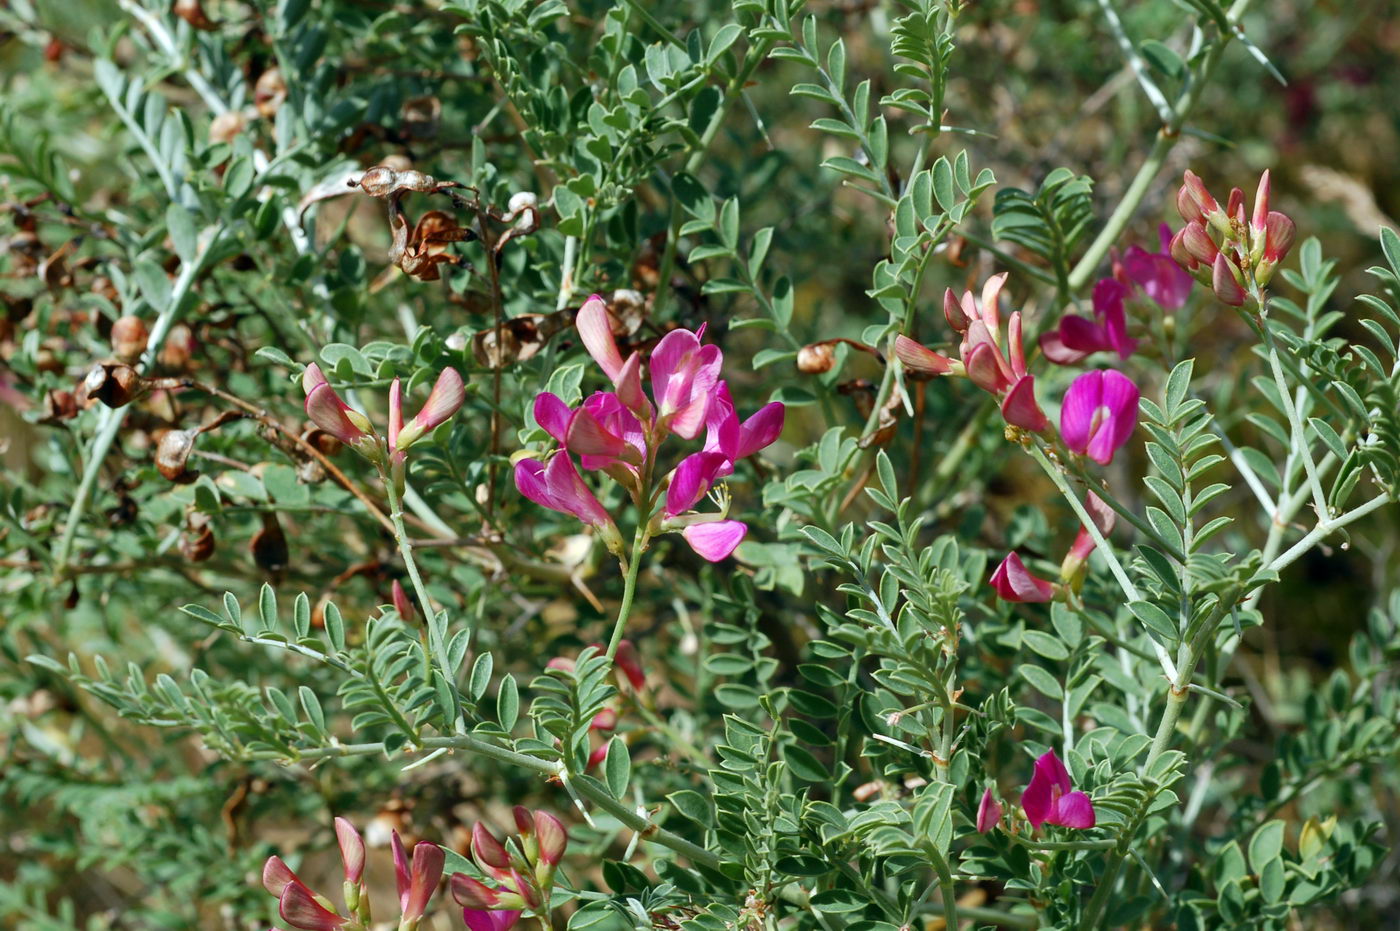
(629, 590)
(946, 892)
(1166, 140)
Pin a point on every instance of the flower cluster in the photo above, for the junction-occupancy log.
(300, 907)
(326, 410)
(1154, 274)
(621, 433)
(1001, 373)
(1220, 248)
(1050, 798)
(524, 871)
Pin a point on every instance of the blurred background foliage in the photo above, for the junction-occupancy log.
(106, 824)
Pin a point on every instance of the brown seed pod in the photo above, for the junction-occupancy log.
(269, 546)
(59, 405)
(197, 542)
(227, 126)
(193, 13)
(129, 336)
(816, 358)
(173, 454)
(269, 92)
(114, 384)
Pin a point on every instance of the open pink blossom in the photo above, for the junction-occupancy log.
(684, 374)
(1098, 414)
(559, 487)
(716, 539)
(1050, 797)
(1014, 582)
(1078, 337)
(1157, 273)
(604, 434)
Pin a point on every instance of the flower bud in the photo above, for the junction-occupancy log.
(129, 335)
(1234, 208)
(988, 812)
(953, 312)
(1261, 203)
(489, 853)
(629, 661)
(401, 602)
(816, 359)
(1198, 244)
(553, 838)
(1279, 232)
(277, 875)
(1193, 201)
(352, 850)
(173, 453)
(445, 400)
(1178, 251)
(524, 821)
(472, 893)
(919, 359)
(1224, 282)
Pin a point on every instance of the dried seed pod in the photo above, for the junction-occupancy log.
(227, 126)
(816, 358)
(325, 443)
(129, 336)
(114, 384)
(173, 454)
(269, 93)
(193, 13)
(59, 405)
(269, 546)
(197, 542)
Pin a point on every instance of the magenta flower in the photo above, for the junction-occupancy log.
(1077, 337)
(1050, 798)
(1098, 414)
(684, 375)
(988, 812)
(716, 539)
(605, 434)
(483, 920)
(1014, 582)
(1157, 273)
(559, 487)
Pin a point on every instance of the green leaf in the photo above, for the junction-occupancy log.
(1041, 680)
(692, 805)
(1155, 619)
(1163, 58)
(1266, 844)
(617, 767)
(507, 703)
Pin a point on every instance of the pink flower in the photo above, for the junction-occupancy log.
(1225, 282)
(692, 479)
(404, 606)
(553, 838)
(684, 376)
(482, 920)
(559, 487)
(1077, 337)
(988, 812)
(1050, 799)
(1098, 414)
(1014, 582)
(595, 329)
(920, 359)
(605, 433)
(629, 661)
(1157, 274)
(1104, 518)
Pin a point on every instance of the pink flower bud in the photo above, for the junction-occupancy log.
(1193, 201)
(327, 411)
(300, 908)
(1225, 283)
(443, 401)
(984, 369)
(953, 312)
(920, 359)
(1278, 236)
(553, 837)
(489, 853)
(524, 821)
(352, 847)
(1234, 208)
(425, 874)
(988, 812)
(1012, 581)
(472, 893)
(401, 602)
(1198, 244)
(276, 875)
(1261, 203)
(595, 329)
(1178, 250)
(604, 720)
(629, 661)
(395, 412)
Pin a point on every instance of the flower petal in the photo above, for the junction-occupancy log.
(988, 812)
(716, 539)
(352, 847)
(595, 329)
(1054, 770)
(692, 478)
(1014, 582)
(1077, 410)
(1037, 800)
(1074, 810)
(761, 429)
(918, 358)
(1020, 409)
(553, 415)
(327, 411)
(426, 872)
(299, 908)
(1120, 400)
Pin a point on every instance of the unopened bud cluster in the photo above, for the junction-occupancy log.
(1221, 247)
(523, 868)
